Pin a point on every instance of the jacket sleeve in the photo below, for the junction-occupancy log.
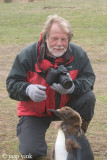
(86, 77)
(16, 81)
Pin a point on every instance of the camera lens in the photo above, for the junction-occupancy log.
(65, 81)
(67, 84)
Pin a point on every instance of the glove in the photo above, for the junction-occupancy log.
(36, 92)
(60, 89)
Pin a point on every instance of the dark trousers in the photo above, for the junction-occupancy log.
(31, 130)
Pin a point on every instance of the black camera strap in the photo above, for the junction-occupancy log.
(57, 100)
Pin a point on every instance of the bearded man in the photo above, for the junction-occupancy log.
(35, 81)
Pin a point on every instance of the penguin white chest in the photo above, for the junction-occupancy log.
(60, 149)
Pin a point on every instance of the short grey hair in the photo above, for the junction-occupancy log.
(63, 23)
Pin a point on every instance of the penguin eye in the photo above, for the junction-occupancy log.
(66, 114)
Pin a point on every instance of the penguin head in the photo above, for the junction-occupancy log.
(68, 115)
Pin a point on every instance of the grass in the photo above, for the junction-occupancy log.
(21, 24)
(103, 98)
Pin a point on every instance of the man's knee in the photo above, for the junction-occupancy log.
(89, 104)
(31, 134)
(90, 97)
(87, 108)
(84, 105)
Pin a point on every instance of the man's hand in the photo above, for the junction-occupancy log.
(36, 92)
(60, 89)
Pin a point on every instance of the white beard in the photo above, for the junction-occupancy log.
(58, 54)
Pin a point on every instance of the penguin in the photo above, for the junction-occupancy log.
(71, 143)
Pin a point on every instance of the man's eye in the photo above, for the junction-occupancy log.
(55, 39)
(64, 39)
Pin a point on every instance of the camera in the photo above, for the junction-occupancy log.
(59, 75)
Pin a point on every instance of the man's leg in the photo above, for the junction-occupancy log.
(84, 105)
(31, 133)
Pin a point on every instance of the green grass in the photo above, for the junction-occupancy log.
(21, 24)
(103, 98)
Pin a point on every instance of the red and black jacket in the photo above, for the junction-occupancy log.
(24, 72)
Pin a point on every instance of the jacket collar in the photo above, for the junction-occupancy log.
(44, 62)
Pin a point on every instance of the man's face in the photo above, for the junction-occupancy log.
(57, 41)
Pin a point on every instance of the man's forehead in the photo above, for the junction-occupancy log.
(56, 28)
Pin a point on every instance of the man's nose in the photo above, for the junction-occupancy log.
(59, 42)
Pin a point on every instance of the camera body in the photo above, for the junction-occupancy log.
(59, 75)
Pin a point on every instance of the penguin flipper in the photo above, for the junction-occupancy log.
(72, 156)
(85, 152)
(82, 153)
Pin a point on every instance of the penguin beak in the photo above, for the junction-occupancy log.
(54, 111)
